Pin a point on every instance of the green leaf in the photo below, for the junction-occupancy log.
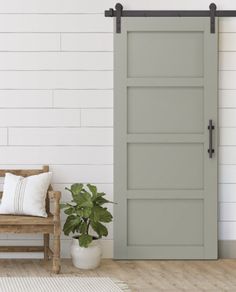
(85, 240)
(93, 189)
(101, 194)
(71, 225)
(100, 214)
(83, 227)
(105, 216)
(85, 212)
(69, 211)
(75, 190)
(101, 201)
(63, 206)
(67, 205)
(85, 200)
(99, 228)
(95, 214)
(80, 212)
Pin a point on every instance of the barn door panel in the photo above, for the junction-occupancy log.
(165, 182)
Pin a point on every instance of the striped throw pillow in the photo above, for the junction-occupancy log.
(25, 195)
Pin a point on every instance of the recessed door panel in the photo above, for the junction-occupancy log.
(177, 222)
(165, 110)
(147, 53)
(165, 166)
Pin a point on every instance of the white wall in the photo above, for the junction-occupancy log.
(56, 95)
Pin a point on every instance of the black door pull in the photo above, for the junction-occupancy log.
(210, 128)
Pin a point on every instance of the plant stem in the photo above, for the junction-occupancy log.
(88, 227)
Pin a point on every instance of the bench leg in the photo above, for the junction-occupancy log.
(46, 246)
(56, 254)
(56, 265)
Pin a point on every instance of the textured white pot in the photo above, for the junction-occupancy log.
(86, 257)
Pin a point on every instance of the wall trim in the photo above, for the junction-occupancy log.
(107, 249)
(227, 249)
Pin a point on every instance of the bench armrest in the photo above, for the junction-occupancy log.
(55, 196)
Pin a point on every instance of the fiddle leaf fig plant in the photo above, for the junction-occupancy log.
(86, 212)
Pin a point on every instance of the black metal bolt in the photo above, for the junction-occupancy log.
(119, 6)
(213, 6)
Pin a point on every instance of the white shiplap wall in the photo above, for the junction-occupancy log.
(56, 95)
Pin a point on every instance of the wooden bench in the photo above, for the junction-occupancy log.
(32, 224)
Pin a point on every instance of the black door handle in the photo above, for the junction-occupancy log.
(210, 128)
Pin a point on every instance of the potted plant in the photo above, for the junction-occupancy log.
(85, 216)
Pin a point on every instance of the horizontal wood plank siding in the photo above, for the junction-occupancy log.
(56, 96)
(56, 80)
(60, 136)
(56, 61)
(55, 23)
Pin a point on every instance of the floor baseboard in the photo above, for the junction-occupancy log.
(107, 248)
(227, 249)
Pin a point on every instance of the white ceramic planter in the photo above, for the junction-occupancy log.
(86, 257)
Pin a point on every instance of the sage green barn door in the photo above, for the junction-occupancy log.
(165, 182)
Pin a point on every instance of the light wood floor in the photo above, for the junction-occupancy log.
(171, 276)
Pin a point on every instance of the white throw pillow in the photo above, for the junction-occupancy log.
(25, 195)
